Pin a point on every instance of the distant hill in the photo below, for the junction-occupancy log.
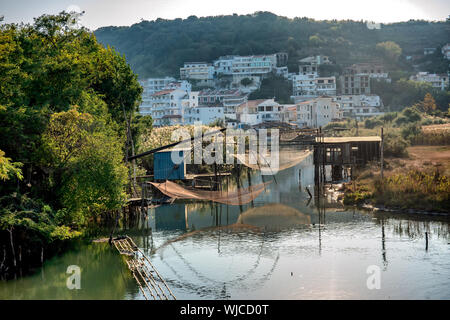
(160, 47)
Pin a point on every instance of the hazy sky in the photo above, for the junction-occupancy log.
(126, 12)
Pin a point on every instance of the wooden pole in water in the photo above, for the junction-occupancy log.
(426, 241)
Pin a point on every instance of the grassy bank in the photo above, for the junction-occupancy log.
(420, 181)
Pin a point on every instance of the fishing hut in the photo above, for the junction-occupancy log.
(344, 152)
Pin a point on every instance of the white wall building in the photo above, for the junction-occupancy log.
(305, 86)
(360, 106)
(205, 114)
(224, 65)
(152, 85)
(201, 71)
(252, 67)
(439, 81)
(229, 99)
(317, 60)
(254, 112)
(166, 106)
(318, 112)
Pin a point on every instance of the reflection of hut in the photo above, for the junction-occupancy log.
(274, 216)
(173, 217)
(164, 166)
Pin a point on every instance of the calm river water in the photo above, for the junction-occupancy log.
(211, 251)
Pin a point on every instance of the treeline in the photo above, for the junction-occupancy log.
(67, 114)
(160, 47)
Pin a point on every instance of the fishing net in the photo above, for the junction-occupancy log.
(286, 160)
(240, 196)
(273, 216)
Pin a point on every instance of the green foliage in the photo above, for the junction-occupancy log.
(33, 218)
(273, 87)
(414, 189)
(72, 156)
(86, 158)
(407, 93)
(389, 50)
(395, 145)
(160, 47)
(9, 169)
(246, 81)
(372, 123)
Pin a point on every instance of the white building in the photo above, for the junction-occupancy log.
(152, 85)
(446, 51)
(224, 65)
(252, 67)
(360, 106)
(201, 71)
(305, 86)
(254, 112)
(205, 114)
(317, 60)
(438, 81)
(318, 112)
(229, 99)
(167, 106)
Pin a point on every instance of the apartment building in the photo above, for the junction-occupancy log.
(224, 65)
(153, 85)
(360, 106)
(254, 112)
(229, 99)
(316, 60)
(310, 85)
(167, 106)
(201, 71)
(206, 114)
(318, 112)
(438, 81)
(282, 59)
(355, 84)
(253, 68)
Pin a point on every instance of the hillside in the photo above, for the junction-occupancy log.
(157, 48)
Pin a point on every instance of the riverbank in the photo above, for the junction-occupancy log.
(418, 183)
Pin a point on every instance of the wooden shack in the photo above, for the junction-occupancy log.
(346, 150)
(164, 166)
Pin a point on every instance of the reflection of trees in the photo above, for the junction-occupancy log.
(414, 227)
(100, 268)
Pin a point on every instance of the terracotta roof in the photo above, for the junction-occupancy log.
(163, 92)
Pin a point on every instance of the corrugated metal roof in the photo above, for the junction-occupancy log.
(350, 139)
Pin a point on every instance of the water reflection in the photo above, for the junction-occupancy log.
(283, 245)
(274, 217)
(99, 266)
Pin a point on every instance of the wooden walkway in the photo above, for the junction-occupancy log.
(150, 282)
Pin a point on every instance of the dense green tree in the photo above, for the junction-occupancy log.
(68, 107)
(389, 50)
